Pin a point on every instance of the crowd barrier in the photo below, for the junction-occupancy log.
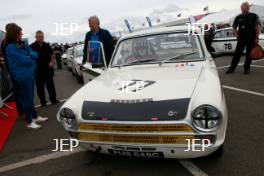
(6, 89)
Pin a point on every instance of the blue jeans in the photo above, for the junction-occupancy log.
(26, 87)
(18, 97)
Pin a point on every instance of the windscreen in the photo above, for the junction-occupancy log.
(171, 47)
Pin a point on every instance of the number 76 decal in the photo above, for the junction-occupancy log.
(228, 46)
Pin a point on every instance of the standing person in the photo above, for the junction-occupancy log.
(58, 56)
(246, 29)
(16, 90)
(97, 34)
(45, 72)
(22, 65)
(209, 37)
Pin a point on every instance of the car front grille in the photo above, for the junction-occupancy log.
(135, 127)
(141, 139)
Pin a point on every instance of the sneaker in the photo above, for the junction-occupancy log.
(34, 126)
(55, 101)
(40, 119)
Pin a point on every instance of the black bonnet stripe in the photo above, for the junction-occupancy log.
(144, 111)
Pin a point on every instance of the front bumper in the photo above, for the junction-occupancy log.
(179, 141)
(148, 151)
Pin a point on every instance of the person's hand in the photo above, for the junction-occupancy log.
(2, 61)
(236, 33)
(50, 64)
(90, 50)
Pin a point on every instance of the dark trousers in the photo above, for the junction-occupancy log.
(58, 61)
(26, 87)
(18, 97)
(47, 80)
(241, 44)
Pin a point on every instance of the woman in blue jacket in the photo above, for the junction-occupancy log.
(22, 66)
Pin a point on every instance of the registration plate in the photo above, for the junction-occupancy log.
(137, 154)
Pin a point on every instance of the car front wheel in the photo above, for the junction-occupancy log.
(218, 153)
(80, 79)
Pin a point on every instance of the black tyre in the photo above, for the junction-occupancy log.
(80, 79)
(218, 153)
(73, 72)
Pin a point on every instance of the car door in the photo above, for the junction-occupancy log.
(92, 69)
(224, 41)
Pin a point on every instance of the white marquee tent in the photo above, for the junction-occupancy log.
(228, 16)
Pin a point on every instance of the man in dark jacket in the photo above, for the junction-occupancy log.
(246, 29)
(209, 37)
(92, 51)
(45, 72)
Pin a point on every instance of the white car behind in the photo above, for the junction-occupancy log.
(77, 62)
(69, 59)
(225, 41)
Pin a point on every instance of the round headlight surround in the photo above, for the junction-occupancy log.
(68, 117)
(206, 118)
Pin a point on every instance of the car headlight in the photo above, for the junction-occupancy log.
(206, 118)
(67, 118)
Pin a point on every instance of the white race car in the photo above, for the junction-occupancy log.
(152, 101)
(77, 62)
(69, 53)
(225, 41)
(64, 58)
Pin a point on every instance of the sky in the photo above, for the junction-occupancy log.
(56, 17)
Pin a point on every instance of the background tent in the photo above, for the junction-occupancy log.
(227, 17)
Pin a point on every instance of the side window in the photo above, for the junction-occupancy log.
(96, 54)
(74, 52)
(227, 33)
(2, 34)
(224, 34)
(78, 51)
(218, 34)
(1, 37)
(70, 52)
(230, 33)
(124, 52)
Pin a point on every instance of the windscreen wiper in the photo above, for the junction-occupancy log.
(135, 62)
(141, 61)
(177, 56)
